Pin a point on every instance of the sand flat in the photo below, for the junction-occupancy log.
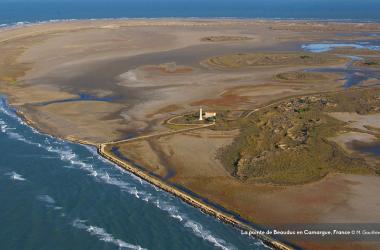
(358, 121)
(96, 55)
(139, 89)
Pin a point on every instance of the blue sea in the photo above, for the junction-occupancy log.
(14, 11)
(59, 195)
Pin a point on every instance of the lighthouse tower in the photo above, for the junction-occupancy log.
(200, 114)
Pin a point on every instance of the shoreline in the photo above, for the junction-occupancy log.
(101, 135)
(208, 209)
(22, 24)
(187, 198)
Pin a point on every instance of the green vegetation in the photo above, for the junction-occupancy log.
(289, 143)
(192, 118)
(187, 121)
(225, 38)
(10, 80)
(304, 77)
(237, 61)
(371, 63)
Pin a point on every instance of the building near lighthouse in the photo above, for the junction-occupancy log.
(206, 115)
(209, 115)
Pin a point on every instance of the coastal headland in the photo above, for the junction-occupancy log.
(297, 107)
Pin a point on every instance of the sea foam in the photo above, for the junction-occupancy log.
(15, 176)
(46, 199)
(102, 235)
(66, 154)
(206, 235)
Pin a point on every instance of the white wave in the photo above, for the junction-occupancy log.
(135, 192)
(10, 112)
(116, 167)
(48, 157)
(124, 186)
(66, 154)
(172, 210)
(21, 23)
(102, 235)
(146, 197)
(206, 235)
(46, 199)
(195, 227)
(178, 217)
(69, 166)
(259, 243)
(15, 176)
(4, 126)
(9, 131)
(26, 23)
(4, 107)
(19, 137)
(94, 173)
(49, 201)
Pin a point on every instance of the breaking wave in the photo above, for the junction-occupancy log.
(65, 152)
(15, 176)
(46, 199)
(206, 235)
(102, 235)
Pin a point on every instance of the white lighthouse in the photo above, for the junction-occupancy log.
(200, 114)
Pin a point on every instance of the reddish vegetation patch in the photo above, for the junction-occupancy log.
(169, 70)
(224, 100)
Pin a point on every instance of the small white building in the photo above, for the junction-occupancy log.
(209, 115)
(206, 115)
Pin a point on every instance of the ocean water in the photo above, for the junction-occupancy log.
(59, 195)
(14, 11)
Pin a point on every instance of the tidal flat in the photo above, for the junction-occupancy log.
(256, 75)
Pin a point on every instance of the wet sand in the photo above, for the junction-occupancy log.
(338, 198)
(97, 54)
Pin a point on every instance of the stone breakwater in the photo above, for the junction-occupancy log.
(192, 201)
